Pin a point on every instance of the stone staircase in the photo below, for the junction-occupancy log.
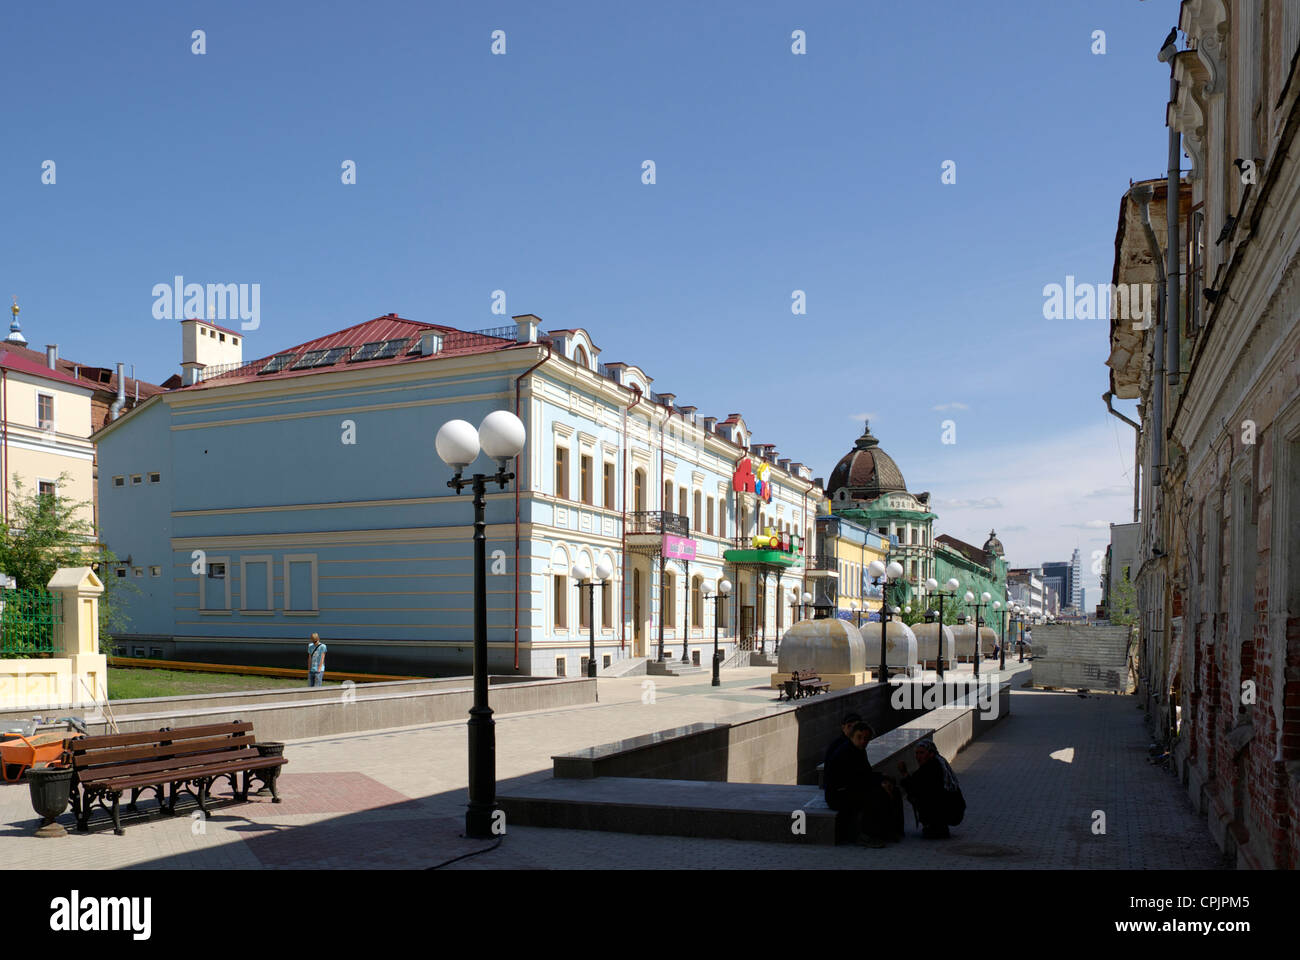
(627, 667)
(673, 668)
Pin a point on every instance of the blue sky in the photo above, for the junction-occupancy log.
(522, 172)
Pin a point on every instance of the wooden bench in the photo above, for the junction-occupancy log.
(802, 684)
(186, 759)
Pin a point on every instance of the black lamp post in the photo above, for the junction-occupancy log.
(502, 437)
(583, 576)
(970, 601)
(719, 598)
(686, 611)
(881, 575)
(932, 586)
(1002, 634)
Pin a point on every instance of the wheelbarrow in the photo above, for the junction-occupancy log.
(20, 752)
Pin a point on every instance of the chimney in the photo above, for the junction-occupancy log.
(527, 324)
(115, 410)
(52, 356)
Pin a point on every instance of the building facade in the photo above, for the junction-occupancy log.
(867, 487)
(270, 520)
(979, 570)
(1216, 377)
(840, 582)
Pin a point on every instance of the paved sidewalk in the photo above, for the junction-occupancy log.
(397, 799)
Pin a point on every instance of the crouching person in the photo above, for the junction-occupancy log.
(933, 791)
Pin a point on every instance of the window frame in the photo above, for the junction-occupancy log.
(292, 558)
(587, 478)
(244, 561)
(54, 411)
(203, 578)
(561, 472)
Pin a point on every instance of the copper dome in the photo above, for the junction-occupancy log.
(866, 471)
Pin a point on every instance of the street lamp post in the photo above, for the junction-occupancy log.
(970, 601)
(881, 576)
(583, 576)
(1002, 635)
(718, 598)
(932, 586)
(686, 611)
(501, 436)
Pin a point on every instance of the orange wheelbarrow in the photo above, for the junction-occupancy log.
(20, 752)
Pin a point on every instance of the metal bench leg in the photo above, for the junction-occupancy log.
(117, 816)
(135, 796)
(203, 797)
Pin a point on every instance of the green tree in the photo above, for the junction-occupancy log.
(1122, 606)
(47, 531)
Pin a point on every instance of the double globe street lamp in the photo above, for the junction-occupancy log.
(932, 587)
(718, 597)
(970, 601)
(583, 576)
(881, 576)
(501, 436)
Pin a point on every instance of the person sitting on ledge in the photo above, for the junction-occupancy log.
(934, 792)
(846, 727)
(864, 799)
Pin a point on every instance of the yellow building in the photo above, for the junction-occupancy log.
(837, 574)
(44, 429)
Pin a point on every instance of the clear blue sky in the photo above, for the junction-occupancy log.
(522, 172)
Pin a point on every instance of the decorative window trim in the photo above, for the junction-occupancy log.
(203, 578)
(291, 558)
(562, 429)
(587, 439)
(269, 560)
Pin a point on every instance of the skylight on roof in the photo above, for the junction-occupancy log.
(278, 363)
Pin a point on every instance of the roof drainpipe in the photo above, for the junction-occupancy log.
(1142, 195)
(1173, 362)
(115, 410)
(1137, 446)
(518, 380)
(622, 618)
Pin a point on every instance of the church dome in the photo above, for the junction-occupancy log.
(866, 471)
(993, 545)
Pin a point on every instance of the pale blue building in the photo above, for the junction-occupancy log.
(301, 493)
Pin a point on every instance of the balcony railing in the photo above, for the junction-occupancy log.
(822, 563)
(657, 522)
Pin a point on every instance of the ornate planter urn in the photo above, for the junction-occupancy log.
(49, 787)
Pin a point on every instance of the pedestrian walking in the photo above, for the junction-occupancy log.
(316, 662)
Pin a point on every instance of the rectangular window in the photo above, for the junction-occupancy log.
(155, 571)
(46, 488)
(136, 479)
(137, 571)
(155, 478)
(681, 503)
(670, 599)
(45, 411)
(300, 585)
(609, 486)
(257, 591)
(559, 666)
(214, 586)
(562, 473)
(607, 605)
(708, 517)
(585, 597)
(560, 596)
(722, 518)
(120, 571)
(119, 481)
(697, 520)
(588, 480)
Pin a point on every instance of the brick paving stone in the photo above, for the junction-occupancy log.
(396, 798)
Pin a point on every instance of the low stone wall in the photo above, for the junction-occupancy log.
(327, 711)
(785, 746)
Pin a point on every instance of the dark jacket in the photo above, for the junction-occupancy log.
(848, 778)
(925, 790)
(838, 742)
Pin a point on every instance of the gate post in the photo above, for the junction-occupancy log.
(77, 637)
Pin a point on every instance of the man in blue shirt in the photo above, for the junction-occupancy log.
(315, 662)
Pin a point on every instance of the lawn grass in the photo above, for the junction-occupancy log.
(133, 683)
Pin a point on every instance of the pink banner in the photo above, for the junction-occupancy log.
(678, 548)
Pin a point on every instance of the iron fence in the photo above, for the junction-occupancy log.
(29, 622)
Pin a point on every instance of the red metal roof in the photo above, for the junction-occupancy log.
(100, 379)
(381, 329)
(11, 360)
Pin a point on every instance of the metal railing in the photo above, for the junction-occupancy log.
(657, 522)
(822, 563)
(29, 622)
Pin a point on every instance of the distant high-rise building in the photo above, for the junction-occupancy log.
(1061, 576)
(1076, 581)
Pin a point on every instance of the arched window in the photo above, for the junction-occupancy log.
(697, 602)
(580, 356)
